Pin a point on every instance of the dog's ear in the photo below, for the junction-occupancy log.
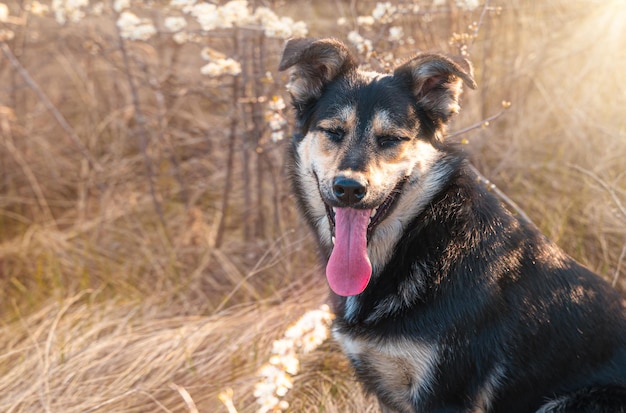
(315, 63)
(436, 81)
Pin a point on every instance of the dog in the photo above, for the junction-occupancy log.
(444, 300)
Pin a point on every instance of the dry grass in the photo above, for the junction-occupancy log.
(116, 298)
(84, 355)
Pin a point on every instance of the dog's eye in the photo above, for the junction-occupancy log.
(389, 141)
(334, 134)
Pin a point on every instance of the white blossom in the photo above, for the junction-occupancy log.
(269, 402)
(396, 34)
(119, 5)
(4, 12)
(181, 37)
(278, 27)
(281, 28)
(185, 5)
(213, 17)
(384, 12)
(306, 334)
(299, 29)
(221, 67)
(289, 363)
(276, 103)
(97, 9)
(208, 54)
(6, 35)
(363, 45)
(282, 347)
(71, 10)
(263, 389)
(365, 21)
(38, 9)
(276, 121)
(135, 28)
(277, 136)
(206, 14)
(235, 11)
(175, 24)
(467, 5)
(284, 382)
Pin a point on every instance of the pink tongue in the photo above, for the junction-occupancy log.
(349, 268)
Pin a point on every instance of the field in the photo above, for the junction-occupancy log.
(151, 258)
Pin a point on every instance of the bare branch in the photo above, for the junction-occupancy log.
(492, 187)
(141, 128)
(6, 50)
(605, 186)
(479, 25)
(477, 125)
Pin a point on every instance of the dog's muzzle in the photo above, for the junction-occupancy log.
(348, 191)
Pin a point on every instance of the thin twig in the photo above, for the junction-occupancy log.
(619, 266)
(6, 50)
(257, 124)
(226, 397)
(221, 226)
(141, 128)
(478, 25)
(191, 405)
(618, 204)
(493, 188)
(490, 186)
(247, 51)
(476, 125)
(30, 176)
(165, 137)
(605, 186)
(243, 280)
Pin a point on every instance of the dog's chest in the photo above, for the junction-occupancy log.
(399, 370)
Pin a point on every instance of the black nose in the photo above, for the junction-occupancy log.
(348, 191)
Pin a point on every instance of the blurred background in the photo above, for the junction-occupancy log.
(150, 251)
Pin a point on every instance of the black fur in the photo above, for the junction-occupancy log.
(492, 295)
(520, 327)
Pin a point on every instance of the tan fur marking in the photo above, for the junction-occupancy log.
(405, 368)
(345, 119)
(487, 394)
(416, 163)
(319, 156)
(382, 125)
(312, 158)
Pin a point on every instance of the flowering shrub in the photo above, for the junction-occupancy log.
(304, 336)
(135, 28)
(72, 10)
(276, 377)
(275, 119)
(233, 29)
(233, 47)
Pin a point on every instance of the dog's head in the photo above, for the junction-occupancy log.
(366, 149)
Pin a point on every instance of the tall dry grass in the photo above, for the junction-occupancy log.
(120, 292)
